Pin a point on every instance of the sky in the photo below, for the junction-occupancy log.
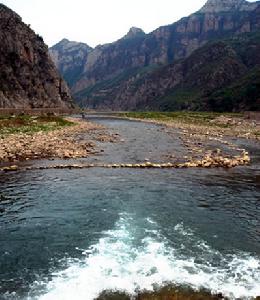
(97, 22)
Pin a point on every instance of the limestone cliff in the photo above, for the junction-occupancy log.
(28, 77)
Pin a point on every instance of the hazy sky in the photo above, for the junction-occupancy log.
(98, 21)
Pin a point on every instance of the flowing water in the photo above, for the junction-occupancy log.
(71, 234)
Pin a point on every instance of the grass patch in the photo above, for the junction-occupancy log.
(197, 118)
(31, 124)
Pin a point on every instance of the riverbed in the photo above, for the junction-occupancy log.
(72, 234)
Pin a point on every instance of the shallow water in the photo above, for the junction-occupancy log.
(70, 234)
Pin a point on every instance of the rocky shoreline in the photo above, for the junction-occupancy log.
(210, 146)
(205, 147)
(208, 161)
(60, 143)
(220, 127)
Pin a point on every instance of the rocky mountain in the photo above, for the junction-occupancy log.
(220, 76)
(110, 67)
(69, 57)
(134, 32)
(28, 77)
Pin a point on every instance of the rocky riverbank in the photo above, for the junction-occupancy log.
(205, 124)
(209, 139)
(61, 143)
(202, 147)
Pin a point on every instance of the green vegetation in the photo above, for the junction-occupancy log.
(106, 84)
(179, 99)
(206, 88)
(100, 91)
(31, 124)
(244, 92)
(197, 118)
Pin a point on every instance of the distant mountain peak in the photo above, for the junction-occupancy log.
(64, 41)
(216, 6)
(134, 32)
(67, 44)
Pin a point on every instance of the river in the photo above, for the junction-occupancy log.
(71, 234)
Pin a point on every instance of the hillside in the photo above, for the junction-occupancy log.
(220, 76)
(28, 77)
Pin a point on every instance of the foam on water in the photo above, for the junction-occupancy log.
(119, 262)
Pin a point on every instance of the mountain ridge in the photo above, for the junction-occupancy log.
(192, 83)
(163, 46)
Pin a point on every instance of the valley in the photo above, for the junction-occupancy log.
(129, 170)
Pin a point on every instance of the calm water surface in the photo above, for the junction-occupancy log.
(70, 234)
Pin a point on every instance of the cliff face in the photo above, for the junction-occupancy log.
(220, 76)
(69, 57)
(109, 60)
(110, 64)
(28, 77)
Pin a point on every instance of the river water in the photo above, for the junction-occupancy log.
(71, 234)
